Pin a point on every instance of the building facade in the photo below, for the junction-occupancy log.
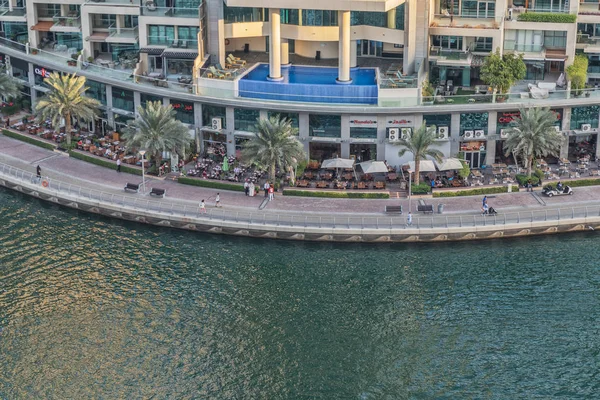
(349, 74)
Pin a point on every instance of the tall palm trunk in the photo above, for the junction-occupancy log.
(68, 128)
(157, 159)
(529, 164)
(272, 173)
(417, 170)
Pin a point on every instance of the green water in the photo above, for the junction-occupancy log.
(98, 308)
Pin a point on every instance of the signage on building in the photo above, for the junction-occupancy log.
(185, 107)
(41, 71)
(506, 117)
(404, 121)
(363, 122)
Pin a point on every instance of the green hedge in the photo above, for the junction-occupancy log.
(476, 192)
(337, 195)
(578, 183)
(548, 17)
(524, 179)
(104, 163)
(28, 139)
(210, 184)
(421, 188)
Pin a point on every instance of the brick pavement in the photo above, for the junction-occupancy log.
(66, 169)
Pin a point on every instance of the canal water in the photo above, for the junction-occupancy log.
(98, 308)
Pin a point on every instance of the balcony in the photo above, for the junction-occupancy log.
(110, 2)
(122, 35)
(465, 21)
(172, 43)
(16, 14)
(175, 12)
(450, 57)
(529, 51)
(589, 44)
(66, 24)
(556, 15)
(589, 8)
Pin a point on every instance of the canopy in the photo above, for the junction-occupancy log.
(424, 166)
(449, 164)
(373, 167)
(337, 163)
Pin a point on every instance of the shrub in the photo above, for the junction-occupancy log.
(28, 139)
(103, 163)
(577, 73)
(337, 195)
(539, 174)
(557, 18)
(476, 192)
(210, 184)
(421, 188)
(523, 179)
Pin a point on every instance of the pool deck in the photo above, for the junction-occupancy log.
(60, 167)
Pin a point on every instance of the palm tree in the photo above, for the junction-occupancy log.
(533, 135)
(65, 101)
(419, 144)
(156, 130)
(9, 86)
(274, 145)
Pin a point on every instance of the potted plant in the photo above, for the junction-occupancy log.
(500, 72)
(34, 51)
(427, 91)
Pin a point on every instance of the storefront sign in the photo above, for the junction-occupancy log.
(41, 71)
(396, 122)
(506, 117)
(363, 122)
(184, 107)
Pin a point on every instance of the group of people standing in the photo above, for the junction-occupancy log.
(250, 189)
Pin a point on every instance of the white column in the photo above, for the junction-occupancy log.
(344, 61)
(353, 55)
(275, 44)
(285, 52)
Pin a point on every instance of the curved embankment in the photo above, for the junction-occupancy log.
(261, 228)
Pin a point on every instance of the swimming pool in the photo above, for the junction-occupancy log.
(310, 84)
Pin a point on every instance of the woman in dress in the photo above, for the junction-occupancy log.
(251, 191)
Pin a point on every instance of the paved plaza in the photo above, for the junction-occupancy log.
(60, 167)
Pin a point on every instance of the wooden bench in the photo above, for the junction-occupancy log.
(133, 187)
(426, 208)
(393, 209)
(158, 192)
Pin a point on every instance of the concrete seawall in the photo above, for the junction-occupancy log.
(271, 230)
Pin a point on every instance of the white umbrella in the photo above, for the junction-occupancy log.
(424, 166)
(337, 163)
(373, 167)
(449, 164)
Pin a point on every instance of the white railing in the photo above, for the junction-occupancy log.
(164, 208)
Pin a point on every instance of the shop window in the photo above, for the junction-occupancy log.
(245, 119)
(584, 115)
(184, 111)
(96, 90)
(122, 99)
(363, 133)
(145, 98)
(209, 112)
(293, 117)
(325, 125)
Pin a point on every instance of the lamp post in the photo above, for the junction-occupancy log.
(142, 152)
(409, 189)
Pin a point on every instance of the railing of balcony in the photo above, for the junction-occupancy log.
(169, 12)
(125, 33)
(69, 22)
(526, 48)
(5, 11)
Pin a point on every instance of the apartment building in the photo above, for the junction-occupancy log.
(348, 73)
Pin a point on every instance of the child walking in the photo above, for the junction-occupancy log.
(203, 207)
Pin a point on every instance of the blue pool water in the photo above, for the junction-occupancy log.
(310, 84)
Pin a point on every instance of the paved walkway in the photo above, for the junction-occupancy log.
(59, 166)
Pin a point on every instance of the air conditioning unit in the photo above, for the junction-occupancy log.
(405, 133)
(586, 127)
(394, 134)
(216, 124)
(503, 133)
(468, 134)
(443, 132)
(479, 133)
(7, 60)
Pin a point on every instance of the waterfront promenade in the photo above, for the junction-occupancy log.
(461, 214)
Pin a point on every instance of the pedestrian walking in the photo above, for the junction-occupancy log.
(218, 201)
(203, 207)
(529, 186)
(38, 171)
(485, 209)
(484, 201)
(271, 193)
(118, 165)
(409, 219)
(266, 188)
(247, 188)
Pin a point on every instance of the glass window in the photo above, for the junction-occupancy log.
(96, 90)
(189, 34)
(448, 42)
(184, 111)
(369, 18)
(179, 67)
(363, 133)
(319, 18)
(555, 39)
(145, 98)
(289, 16)
(161, 35)
(122, 99)
(483, 44)
(325, 125)
(209, 112)
(291, 116)
(438, 120)
(584, 115)
(16, 31)
(243, 14)
(245, 119)
(474, 121)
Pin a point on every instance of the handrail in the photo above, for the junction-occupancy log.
(382, 223)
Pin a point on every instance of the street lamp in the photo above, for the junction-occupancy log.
(142, 152)
(409, 188)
